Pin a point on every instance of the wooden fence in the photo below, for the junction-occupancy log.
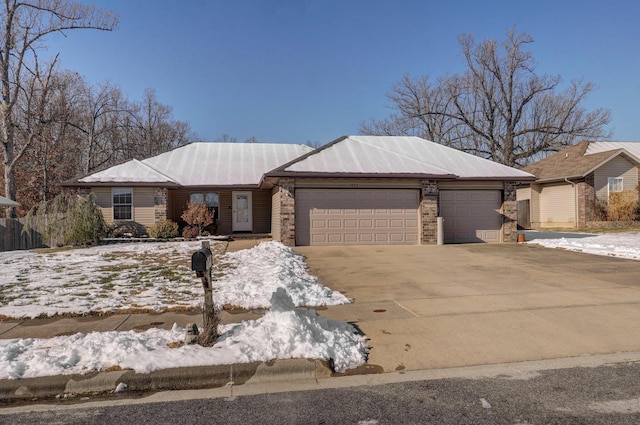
(13, 235)
(524, 214)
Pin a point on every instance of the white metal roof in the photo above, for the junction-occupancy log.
(131, 171)
(204, 164)
(631, 147)
(400, 155)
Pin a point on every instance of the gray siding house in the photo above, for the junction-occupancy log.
(570, 183)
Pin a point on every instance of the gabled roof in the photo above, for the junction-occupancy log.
(128, 172)
(580, 160)
(201, 164)
(396, 156)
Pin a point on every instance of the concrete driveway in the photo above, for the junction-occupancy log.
(427, 307)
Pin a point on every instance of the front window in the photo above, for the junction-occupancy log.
(615, 184)
(122, 203)
(210, 199)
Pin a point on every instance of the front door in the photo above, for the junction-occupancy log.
(241, 209)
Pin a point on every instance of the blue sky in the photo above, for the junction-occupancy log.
(298, 71)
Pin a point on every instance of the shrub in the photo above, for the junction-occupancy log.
(123, 230)
(197, 216)
(165, 229)
(72, 219)
(190, 232)
(623, 206)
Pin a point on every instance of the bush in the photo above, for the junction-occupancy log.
(623, 206)
(165, 229)
(197, 216)
(190, 232)
(123, 230)
(70, 218)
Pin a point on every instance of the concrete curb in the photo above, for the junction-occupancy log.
(183, 378)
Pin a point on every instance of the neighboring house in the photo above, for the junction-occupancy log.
(354, 190)
(570, 183)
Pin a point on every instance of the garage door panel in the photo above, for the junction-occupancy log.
(471, 215)
(319, 224)
(365, 224)
(381, 224)
(357, 216)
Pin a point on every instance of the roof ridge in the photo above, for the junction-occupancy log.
(155, 170)
(355, 138)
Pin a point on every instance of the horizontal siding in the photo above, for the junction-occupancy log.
(104, 199)
(617, 167)
(261, 208)
(225, 215)
(143, 209)
(261, 211)
(275, 213)
(143, 204)
(523, 193)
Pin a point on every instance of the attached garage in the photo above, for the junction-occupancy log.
(357, 216)
(471, 215)
(557, 205)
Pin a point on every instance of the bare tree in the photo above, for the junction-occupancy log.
(498, 109)
(151, 129)
(25, 25)
(98, 120)
(225, 138)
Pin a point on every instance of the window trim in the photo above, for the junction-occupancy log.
(204, 193)
(614, 180)
(114, 204)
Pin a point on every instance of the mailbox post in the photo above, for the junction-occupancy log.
(201, 263)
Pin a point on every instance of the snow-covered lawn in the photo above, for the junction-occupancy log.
(622, 245)
(157, 276)
(150, 276)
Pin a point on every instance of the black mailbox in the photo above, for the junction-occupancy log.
(201, 260)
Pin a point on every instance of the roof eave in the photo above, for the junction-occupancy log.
(499, 178)
(560, 179)
(308, 174)
(119, 184)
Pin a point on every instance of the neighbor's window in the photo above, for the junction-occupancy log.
(122, 204)
(210, 199)
(615, 184)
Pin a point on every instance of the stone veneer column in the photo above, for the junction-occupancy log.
(287, 211)
(586, 201)
(429, 208)
(160, 203)
(509, 213)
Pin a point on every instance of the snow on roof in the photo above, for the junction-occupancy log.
(204, 164)
(632, 148)
(130, 171)
(400, 155)
(224, 164)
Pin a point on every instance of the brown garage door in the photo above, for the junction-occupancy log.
(357, 216)
(471, 215)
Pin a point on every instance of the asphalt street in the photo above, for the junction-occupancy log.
(608, 394)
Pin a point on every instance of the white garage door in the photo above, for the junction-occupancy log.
(357, 216)
(471, 215)
(557, 205)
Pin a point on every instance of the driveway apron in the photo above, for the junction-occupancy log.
(445, 306)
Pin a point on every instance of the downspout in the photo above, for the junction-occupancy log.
(575, 201)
